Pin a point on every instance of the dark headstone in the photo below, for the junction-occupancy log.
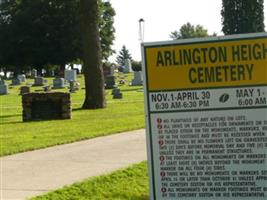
(117, 93)
(39, 81)
(3, 89)
(15, 81)
(24, 90)
(110, 82)
(73, 86)
(2, 82)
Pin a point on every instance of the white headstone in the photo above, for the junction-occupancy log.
(137, 78)
(3, 89)
(128, 66)
(53, 73)
(22, 77)
(70, 75)
(58, 83)
(34, 73)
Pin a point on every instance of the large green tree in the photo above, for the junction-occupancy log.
(93, 71)
(45, 32)
(242, 16)
(8, 37)
(189, 31)
(107, 29)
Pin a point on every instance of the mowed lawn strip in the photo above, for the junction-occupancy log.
(119, 116)
(127, 184)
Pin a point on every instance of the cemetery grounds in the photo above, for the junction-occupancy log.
(120, 115)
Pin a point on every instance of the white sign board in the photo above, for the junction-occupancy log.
(206, 118)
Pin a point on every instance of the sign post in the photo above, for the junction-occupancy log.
(206, 117)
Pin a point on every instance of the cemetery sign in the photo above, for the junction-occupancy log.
(206, 116)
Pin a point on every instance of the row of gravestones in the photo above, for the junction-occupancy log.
(109, 71)
(17, 81)
(70, 76)
(110, 80)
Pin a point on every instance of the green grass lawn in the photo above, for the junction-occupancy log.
(120, 115)
(128, 184)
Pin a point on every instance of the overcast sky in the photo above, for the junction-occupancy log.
(161, 18)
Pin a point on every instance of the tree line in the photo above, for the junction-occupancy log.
(46, 33)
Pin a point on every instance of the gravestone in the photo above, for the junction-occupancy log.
(108, 71)
(70, 75)
(109, 82)
(2, 82)
(34, 73)
(72, 87)
(39, 81)
(15, 81)
(117, 93)
(112, 70)
(3, 89)
(58, 83)
(46, 106)
(24, 90)
(22, 77)
(128, 66)
(137, 78)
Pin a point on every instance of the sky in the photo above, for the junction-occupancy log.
(161, 17)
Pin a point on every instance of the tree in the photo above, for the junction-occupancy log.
(43, 32)
(123, 55)
(189, 31)
(242, 16)
(92, 67)
(107, 29)
(46, 32)
(7, 36)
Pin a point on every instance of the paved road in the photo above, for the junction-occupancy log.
(33, 173)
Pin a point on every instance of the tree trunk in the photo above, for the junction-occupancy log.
(5, 72)
(61, 70)
(92, 64)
